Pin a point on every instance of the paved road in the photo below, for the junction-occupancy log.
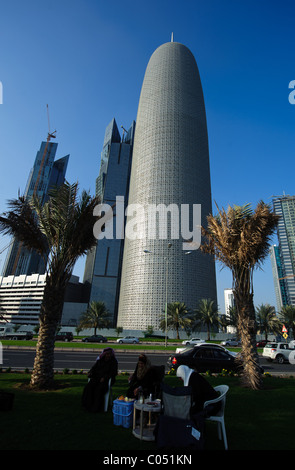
(19, 359)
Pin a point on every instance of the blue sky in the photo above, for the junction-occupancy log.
(86, 60)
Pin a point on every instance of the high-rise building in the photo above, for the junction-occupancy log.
(170, 173)
(283, 255)
(278, 277)
(103, 263)
(45, 174)
(229, 302)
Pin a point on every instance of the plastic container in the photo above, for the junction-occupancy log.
(123, 413)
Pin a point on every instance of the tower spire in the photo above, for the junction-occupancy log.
(171, 37)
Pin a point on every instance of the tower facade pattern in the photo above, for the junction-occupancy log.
(170, 167)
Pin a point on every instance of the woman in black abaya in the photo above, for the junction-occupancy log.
(105, 368)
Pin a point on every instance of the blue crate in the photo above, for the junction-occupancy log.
(123, 413)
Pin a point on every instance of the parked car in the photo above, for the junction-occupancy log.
(128, 339)
(262, 343)
(7, 331)
(64, 336)
(278, 352)
(193, 341)
(95, 339)
(231, 342)
(205, 357)
(215, 345)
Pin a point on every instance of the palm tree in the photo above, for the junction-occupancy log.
(223, 322)
(96, 316)
(177, 317)
(239, 238)
(60, 230)
(267, 321)
(207, 314)
(287, 316)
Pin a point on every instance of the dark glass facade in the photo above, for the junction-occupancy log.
(45, 174)
(103, 263)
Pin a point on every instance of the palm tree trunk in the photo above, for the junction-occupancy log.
(43, 372)
(51, 310)
(251, 374)
(208, 332)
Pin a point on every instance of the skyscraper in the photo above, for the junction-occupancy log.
(45, 174)
(170, 172)
(104, 261)
(283, 256)
(229, 302)
(278, 277)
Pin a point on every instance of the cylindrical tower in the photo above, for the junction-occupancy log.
(170, 166)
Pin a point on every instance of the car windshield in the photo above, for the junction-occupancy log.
(271, 345)
(187, 351)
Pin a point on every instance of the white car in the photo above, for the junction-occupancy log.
(231, 342)
(278, 352)
(128, 339)
(193, 341)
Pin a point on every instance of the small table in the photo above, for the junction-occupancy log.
(141, 432)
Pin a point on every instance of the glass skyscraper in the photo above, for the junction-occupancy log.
(103, 263)
(170, 171)
(283, 255)
(45, 174)
(278, 277)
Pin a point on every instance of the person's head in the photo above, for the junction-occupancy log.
(142, 361)
(107, 354)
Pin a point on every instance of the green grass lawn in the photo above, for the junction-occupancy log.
(55, 420)
(147, 344)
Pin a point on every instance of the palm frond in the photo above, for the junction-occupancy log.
(21, 222)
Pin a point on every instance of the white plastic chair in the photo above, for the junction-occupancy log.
(219, 417)
(107, 396)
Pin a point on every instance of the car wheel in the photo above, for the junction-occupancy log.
(134, 342)
(280, 359)
(120, 342)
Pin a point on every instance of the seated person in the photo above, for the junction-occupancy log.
(201, 389)
(143, 379)
(105, 368)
